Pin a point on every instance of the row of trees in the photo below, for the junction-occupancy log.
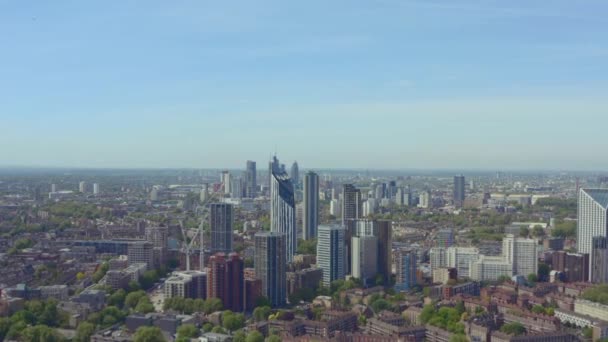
(189, 305)
(35, 322)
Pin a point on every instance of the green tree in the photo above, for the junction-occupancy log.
(532, 278)
(144, 305)
(40, 333)
(233, 321)
(5, 325)
(117, 298)
(458, 338)
(84, 332)
(207, 327)
(261, 313)
(239, 336)
(514, 328)
(380, 305)
(307, 246)
(255, 336)
(273, 338)
(524, 231)
(218, 330)
(133, 298)
(187, 331)
(538, 309)
(148, 334)
(212, 305)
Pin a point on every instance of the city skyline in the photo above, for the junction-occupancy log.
(406, 79)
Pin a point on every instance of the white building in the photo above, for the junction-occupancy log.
(95, 188)
(82, 186)
(438, 258)
(364, 257)
(335, 208)
(521, 253)
(425, 200)
(490, 268)
(331, 253)
(592, 219)
(369, 207)
(461, 258)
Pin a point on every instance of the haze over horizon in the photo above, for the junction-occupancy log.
(366, 85)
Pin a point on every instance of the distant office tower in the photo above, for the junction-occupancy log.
(204, 192)
(459, 185)
(82, 187)
(295, 174)
(273, 167)
(270, 262)
(406, 262)
(599, 260)
(425, 200)
(221, 220)
(364, 258)
(521, 253)
(384, 233)
(330, 252)
(311, 205)
(380, 191)
(592, 220)
(226, 280)
(402, 197)
(283, 210)
(392, 189)
(53, 187)
(438, 258)
(445, 238)
(95, 189)
(369, 207)
(351, 203)
(335, 208)
(226, 182)
(141, 252)
(251, 179)
(236, 188)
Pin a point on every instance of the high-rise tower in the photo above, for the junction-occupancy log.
(251, 179)
(330, 253)
(311, 206)
(459, 184)
(592, 221)
(270, 262)
(221, 221)
(283, 210)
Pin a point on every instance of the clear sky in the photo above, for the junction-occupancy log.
(338, 84)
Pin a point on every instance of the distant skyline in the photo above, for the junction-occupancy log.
(387, 84)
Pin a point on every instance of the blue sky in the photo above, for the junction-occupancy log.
(338, 84)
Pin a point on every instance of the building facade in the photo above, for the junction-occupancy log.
(592, 220)
(330, 252)
(221, 220)
(270, 264)
(283, 211)
(311, 206)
